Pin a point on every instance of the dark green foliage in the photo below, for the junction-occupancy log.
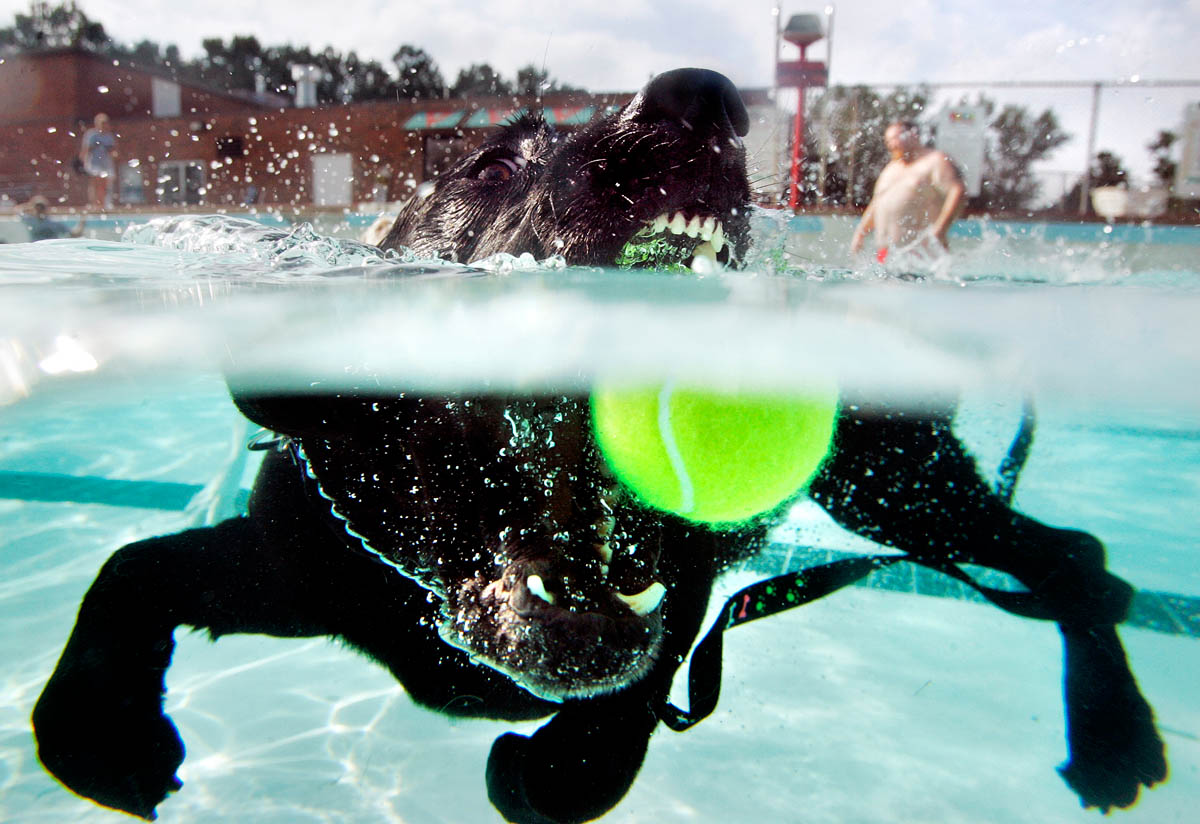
(1164, 166)
(480, 80)
(846, 152)
(846, 126)
(1017, 141)
(53, 27)
(243, 63)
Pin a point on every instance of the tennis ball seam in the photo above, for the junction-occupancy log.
(687, 491)
(655, 441)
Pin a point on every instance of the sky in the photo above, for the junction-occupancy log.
(616, 45)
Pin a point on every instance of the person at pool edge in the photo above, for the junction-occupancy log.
(98, 153)
(41, 226)
(917, 196)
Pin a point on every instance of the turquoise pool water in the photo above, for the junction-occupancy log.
(900, 700)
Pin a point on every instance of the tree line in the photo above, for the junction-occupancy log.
(243, 63)
(845, 146)
(844, 142)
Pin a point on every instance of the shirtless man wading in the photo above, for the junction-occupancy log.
(917, 194)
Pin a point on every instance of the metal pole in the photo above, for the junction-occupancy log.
(852, 183)
(1086, 184)
(825, 116)
(776, 140)
(797, 144)
(828, 44)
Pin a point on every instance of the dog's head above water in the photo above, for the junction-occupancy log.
(663, 180)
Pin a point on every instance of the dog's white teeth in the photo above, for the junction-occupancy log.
(704, 228)
(718, 237)
(605, 551)
(606, 525)
(704, 259)
(535, 585)
(645, 602)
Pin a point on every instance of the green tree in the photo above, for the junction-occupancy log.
(49, 27)
(364, 80)
(535, 82)
(232, 65)
(1017, 141)
(480, 80)
(531, 81)
(1108, 170)
(1164, 165)
(242, 62)
(1105, 169)
(417, 75)
(844, 139)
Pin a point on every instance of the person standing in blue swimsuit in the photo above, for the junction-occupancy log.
(98, 154)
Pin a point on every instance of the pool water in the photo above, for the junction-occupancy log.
(899, 700)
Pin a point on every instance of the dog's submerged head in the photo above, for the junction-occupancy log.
(536, 562)
(661, 180)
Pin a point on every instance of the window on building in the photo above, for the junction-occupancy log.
(441, 152)
(180, 182)
(129, 184)
(164, 98)
(333, 179)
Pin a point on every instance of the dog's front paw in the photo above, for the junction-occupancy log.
(509, 786)
(575, 768)
(105, 737)
(1115, 748)
(1114, 754)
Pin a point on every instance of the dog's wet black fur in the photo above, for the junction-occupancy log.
(676, 147)
(544, 571)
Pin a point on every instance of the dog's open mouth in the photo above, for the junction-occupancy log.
(578, 620)
(677, 241)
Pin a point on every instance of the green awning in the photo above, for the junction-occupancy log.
(483, 118)
(568, 115)
(434, 119)
(554, 115)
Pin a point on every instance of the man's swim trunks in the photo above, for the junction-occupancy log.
(882, 254)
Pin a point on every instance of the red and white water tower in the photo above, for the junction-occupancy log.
(802, 31)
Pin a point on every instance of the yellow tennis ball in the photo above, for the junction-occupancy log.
(710, 456)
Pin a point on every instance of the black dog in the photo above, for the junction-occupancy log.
(557, 593)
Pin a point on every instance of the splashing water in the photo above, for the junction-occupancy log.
(186, 290)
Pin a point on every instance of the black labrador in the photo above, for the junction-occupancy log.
(479, 548)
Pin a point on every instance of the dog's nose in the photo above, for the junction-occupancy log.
(695, 96)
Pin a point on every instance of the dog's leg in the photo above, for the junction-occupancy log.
(904, 480)
(99, 723)
(1114, 747)
(574, 768)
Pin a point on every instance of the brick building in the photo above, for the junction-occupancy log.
(183, 145)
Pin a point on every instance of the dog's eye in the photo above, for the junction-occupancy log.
(498, 170)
